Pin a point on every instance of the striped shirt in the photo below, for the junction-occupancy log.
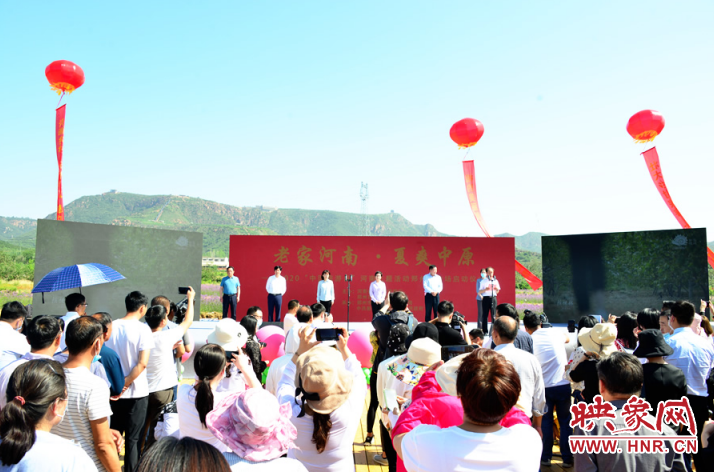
(88, 400)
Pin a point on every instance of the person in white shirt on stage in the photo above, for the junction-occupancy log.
(432, 288)
(479, 300)
(488, 288)
(377, 293)
(326, 291)
(13, 345)
(276, 288)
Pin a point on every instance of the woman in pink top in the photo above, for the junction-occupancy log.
(430, 405)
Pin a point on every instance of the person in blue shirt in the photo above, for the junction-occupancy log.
(108, 357)
(230, 292)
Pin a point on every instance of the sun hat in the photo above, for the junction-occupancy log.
(229, 334)
(410, 367)
(253, 425)
(446, 374)
(600, 338)
(652, 344)
(322, 380)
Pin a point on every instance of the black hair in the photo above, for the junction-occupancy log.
(626, 325)
(445, 308)
(667, 304)
(155, 315)
(648, 318)
(73, 300)
(304, 314)
(252, 311)
(398, 301)
(292, 304)
(322, 276)
(317, 309)
(81, 334)
(208, 363)
(277, 267)
(586, 321)
(621, 373)
(683, 312)
(12, 311)
(42, 332)
(134, 301)
(377, 273)
(39, 383)
(105, 319)
(477, 333)
(531, 320)
(230, 267)
(506, 327)
(432, 267)
(187, 454)
(506, 309)
(250, 323)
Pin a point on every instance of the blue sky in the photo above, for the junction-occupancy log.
(293, 104)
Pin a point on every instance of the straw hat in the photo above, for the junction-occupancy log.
(229, 334)
(322, 379)
(410, 367)
(600, 338)
(253, 425)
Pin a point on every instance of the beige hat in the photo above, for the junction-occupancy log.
(600, 338)
(229, 334)
(446, 375)
(423, 352)
(322, 379)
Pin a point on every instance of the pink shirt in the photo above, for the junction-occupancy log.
(432, 406)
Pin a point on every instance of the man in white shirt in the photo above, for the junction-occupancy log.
(276, 288)
(133, 341)
(277, 367)
(76, 306)
(160, 371)
(290, 318)
(43, 334)
(432, 288)
(694, 355)
(488, 288)
(86, 419)
(13, 345)
(532, 398)
(549, 349)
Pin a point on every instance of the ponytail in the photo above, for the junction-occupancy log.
(33, 387)
(322, 424)
(208, 363)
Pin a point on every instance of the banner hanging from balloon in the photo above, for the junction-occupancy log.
(470, 181)
(64, 77)
(59, 143)
(652, 160)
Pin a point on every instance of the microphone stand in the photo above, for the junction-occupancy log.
(348, 279)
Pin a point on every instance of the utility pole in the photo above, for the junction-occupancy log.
(364, 196)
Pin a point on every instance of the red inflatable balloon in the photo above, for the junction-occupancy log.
(645, 125)
(466, 132)
(64, 76)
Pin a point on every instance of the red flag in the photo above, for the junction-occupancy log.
(652, 161)
(470, 181)
(59, 142)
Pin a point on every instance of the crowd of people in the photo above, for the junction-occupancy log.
(77, 390)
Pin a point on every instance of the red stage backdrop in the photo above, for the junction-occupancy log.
(403, 262)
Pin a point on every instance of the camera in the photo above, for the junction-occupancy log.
(457, 319)
(181, 308)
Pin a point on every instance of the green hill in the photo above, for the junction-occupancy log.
(527, 242)
(215, 220)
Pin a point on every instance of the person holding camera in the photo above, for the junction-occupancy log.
(448, 336)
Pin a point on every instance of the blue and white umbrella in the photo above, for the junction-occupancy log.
(78, 275)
